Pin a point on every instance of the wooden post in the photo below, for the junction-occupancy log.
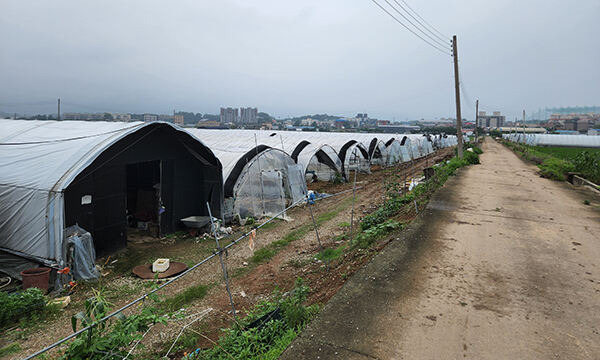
(457, 93)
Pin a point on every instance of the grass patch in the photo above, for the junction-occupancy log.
(331, 254)
(586, 202)
(263, 254)
(266, 332)
(324, 217)
(270, 225)
(10, 349)
(556, 162)
(344, 224)
(190, 294)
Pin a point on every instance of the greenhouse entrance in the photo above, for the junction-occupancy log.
(143, 199)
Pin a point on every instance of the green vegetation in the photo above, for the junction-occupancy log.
(379, 222)
(10, 349)
(266, 331)
(190, 294)
(330, 254)
(25, 307)
(556, 162)
(586, 202)
(266, 253)
(109, 339)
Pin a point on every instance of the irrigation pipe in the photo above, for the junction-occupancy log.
(127, 306)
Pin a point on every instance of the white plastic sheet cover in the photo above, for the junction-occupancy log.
(320, 163)
(268, 183)
(38, 161)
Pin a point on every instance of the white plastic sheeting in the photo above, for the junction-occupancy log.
(259, 180)
(555, 140)
(38, 161)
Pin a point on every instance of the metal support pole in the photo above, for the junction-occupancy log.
(352, 213)
(262, 185)
(315, 226)
(317, 233)
(220, 251)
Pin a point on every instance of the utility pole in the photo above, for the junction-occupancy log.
(457, 92)
(476, 119)
(58, 117)
(523, 124)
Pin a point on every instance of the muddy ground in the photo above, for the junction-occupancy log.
(250, 283)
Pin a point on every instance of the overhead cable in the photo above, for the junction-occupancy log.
(436, 39)
(409, 29)
(444, 37)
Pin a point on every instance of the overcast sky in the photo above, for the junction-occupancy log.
(295, 57)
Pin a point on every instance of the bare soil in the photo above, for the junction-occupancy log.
(250, 284)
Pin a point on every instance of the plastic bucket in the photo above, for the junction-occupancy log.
(36, 277)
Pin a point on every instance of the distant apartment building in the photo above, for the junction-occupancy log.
(150, 117)
(574, 122)
(178, 119)
(229, 115)
(82, 116)
(494, 120)
(121, 117)
(248, 115)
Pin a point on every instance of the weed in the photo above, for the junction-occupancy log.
(344, 224)
(10, 349)
(109, 339)
(330, 254)
(340, 237)
(26, 307)
(337, 178)
(190, 294)
(324, 217)
(555, 168)
(586, 202)
(266, 331)
(366, 238)
(262, 255)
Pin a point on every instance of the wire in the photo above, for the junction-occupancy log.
(409, 29)
(444, 42)
(447, 38)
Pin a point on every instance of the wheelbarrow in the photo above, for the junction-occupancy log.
(195, 223)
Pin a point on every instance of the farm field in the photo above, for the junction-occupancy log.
(566, 153)
(285, 251)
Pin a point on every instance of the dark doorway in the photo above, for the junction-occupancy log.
(143, 198)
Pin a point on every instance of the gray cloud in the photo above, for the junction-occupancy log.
(291, 58)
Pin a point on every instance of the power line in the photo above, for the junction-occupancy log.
(409, 29)
(447, 38)
(444, 42)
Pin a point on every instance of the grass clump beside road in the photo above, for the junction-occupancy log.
(266, 331)
(556, 162)
(379, 223)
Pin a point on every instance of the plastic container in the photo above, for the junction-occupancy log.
(36, 277)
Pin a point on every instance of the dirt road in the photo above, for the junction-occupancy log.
(502, 264)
